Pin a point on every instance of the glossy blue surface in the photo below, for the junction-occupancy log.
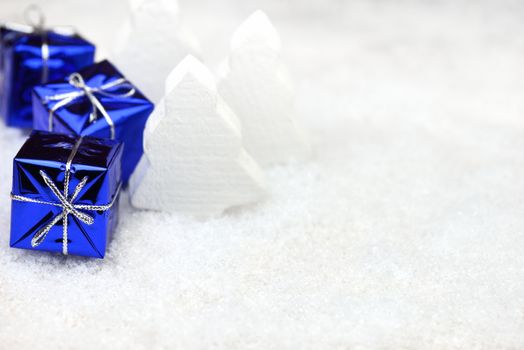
(21, 66)
(129, 114)
(98, 159)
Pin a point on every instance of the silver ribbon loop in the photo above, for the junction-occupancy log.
(76, 80)
(66, 202)
(35, 18)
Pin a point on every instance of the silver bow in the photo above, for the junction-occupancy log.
(78, 82)
(66, 202)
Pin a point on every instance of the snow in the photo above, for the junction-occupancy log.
(404, 231)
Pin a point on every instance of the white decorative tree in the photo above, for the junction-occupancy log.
(194, 161)
(257, 86)
(152, 42)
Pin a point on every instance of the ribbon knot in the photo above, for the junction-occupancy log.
(76, 80)
(66, 202)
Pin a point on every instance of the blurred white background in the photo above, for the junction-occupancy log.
(404, 231)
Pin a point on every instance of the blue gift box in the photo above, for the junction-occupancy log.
(65, 194)
(31, 56)
(97, 101)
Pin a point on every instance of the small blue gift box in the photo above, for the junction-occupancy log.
(65, 194)
(97, 101)
(30, 56)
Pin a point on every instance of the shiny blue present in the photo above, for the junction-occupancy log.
(96, 101)
(30, 56)
(65, 194)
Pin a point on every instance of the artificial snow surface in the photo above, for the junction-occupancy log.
(406, 229)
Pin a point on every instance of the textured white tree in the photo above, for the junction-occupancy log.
(257, 86)
(194, 159)
(152, 42)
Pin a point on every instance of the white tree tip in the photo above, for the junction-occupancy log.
(170, 6)
(257, 29)
(190, 67)
(151, 42)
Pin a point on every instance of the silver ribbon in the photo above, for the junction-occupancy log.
(35, 18)
(66, 202)
(78, 82)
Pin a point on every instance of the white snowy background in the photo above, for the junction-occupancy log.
(405, 230)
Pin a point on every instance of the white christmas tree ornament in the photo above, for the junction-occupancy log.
(194, 161)
(257, 86)
(152, 43)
